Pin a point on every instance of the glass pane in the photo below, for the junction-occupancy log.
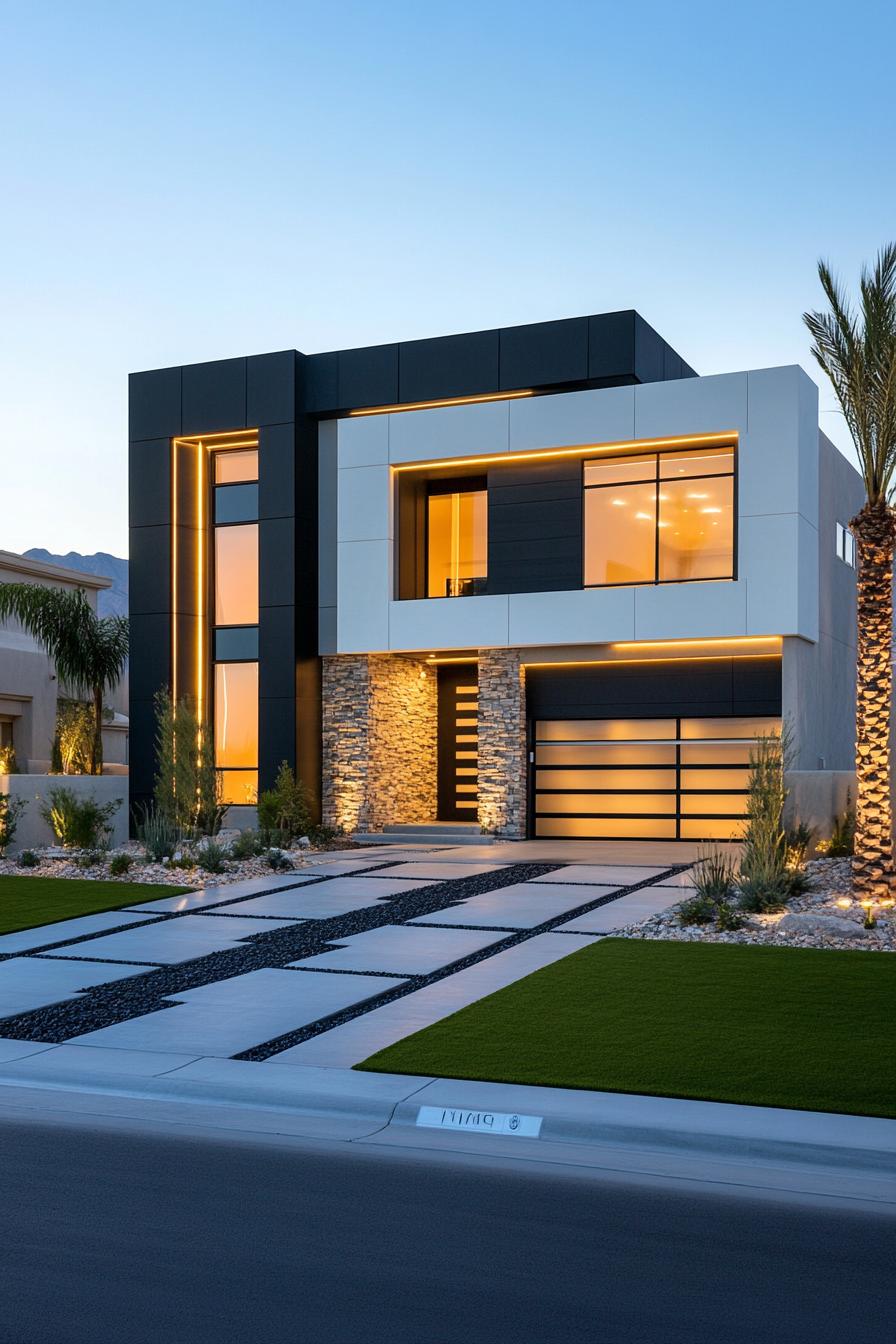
(715, 753)
(619, 828)
(616, 470)
(715, 779)
(604, 730)
(609, 779)
(239, 786)
(620, 534)
(239, 465)
(696, 529)
(720, 829)
(697, 462)
(628, 804)
(237, 645)
(457, 544)
(718, 804)
(579, 753)
(236, 503)
(732, 727)
(236, 714)
(236, 575)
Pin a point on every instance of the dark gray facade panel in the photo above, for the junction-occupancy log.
(544, 354)
(308, 728)
(150, 570)
(214, 396)
(719, 687)
(277, 562)
(276, 652)
(369, 376)
(322, 382)
(149, 482)
(448, 366)
(672, 364)
(649, 352)
(535, 527)
(277, 471)
(151, 670)
(276, 737)
(154, 410)
(141, 744)
(611, 345)
(271, 388)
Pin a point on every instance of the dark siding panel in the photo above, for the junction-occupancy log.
(535, 528)
(151, 639)
(721, 687)
(544, 354)
(611, 345)
(149, 483)
(649, 357)
(448, 366)
(141, 749)
(154, 404)
(214, 396)
(322, 382)
(150, 570)
(271, 388)
(276, 737)
(277, 471)
(368, 377)
(277, 559)
(276, 652)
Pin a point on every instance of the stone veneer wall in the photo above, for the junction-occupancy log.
(380, 717)
(502, 742)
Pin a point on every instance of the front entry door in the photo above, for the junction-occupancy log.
(458, 785)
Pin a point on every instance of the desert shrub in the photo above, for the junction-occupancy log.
(187, 785)
(8, 763)
(797, 841)
(762, 880)
(248, 845)
(10, 811)
(843, 834)
(697, 910)
(120, 864)
(79, 823)
(728, 917)
(285, 807)
(322, 835)
(73, 743)
(90, 858)
(279, 861)
(714, 875)
(28, 859)
(210, 856)
(158, 834)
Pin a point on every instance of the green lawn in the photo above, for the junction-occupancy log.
(766, 1026)
(27, 902)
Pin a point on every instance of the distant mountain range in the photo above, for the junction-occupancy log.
(111, 601)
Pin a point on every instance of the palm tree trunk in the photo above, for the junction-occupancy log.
(874, 528)
(96, 753)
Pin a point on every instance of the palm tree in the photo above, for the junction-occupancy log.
(89, 652)
(857, 351)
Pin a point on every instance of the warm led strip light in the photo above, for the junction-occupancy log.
(582, 450)
(736, 641)
(446, 401)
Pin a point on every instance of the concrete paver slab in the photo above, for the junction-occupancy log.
(233, 1015)
(25, 940)
(440, 872)
(173, 940)
(11, 1049)
(35, 982)
(354, 1041)
(199, 900)
(402, 949)
(79, 1061)
(323, 900)
(601, 875)
(627, 910)
(520, 906)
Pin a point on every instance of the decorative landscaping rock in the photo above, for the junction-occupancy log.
(821, 926)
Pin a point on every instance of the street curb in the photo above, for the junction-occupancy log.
(360, 1104)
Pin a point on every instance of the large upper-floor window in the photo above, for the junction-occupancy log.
(456, 538)
(659, 517)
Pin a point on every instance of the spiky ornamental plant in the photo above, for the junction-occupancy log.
(89, 652)
(857, 351)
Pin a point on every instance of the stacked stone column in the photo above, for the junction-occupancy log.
(502, 743)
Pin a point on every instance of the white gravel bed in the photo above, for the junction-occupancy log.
(831, 883)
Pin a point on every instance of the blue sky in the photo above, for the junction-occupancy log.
(188, 181)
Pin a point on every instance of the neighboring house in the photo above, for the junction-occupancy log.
(545, 580)
(28, 685)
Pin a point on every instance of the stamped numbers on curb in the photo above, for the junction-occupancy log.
(480, 1122)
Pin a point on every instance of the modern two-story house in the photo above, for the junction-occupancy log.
(544, 580)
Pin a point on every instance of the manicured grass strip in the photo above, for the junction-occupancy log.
(767, 1026)
(29, 902)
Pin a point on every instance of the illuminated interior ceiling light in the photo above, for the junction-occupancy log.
(712, 509)
(582, 451)
(397, 407)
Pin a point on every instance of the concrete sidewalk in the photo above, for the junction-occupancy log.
(488, 1118)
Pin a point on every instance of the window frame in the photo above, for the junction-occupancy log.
(686, 450)
(455, 485)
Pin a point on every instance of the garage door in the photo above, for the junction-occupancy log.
(660, 779)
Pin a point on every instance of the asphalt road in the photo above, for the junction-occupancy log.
(118, 1235)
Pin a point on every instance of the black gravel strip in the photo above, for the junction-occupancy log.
(415, 982)
(121, 1000)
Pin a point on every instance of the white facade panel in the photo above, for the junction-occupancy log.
(570, 419)
(364, 508)
(363, 440)
(449, 623)
(778, 468)
(691, 406)
(365, 575)
(449, 431)
(589, 616)
(779, 556)
(710, 610)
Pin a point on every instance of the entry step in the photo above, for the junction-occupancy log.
(431, 832)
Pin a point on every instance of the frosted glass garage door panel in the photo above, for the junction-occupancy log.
(719, 829)
(600, 828)
(733, 727)
(605, 730)
(624, 803)
(715, 753)
(609, 779)
(586, 753)
(715, 779)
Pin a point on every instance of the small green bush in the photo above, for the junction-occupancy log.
(10, 811)
(285, 807)
(248, 845)
(185, 859)
(158, 834)
(279, 861)
(714, 875)
(210, 856)
(28, 859)
(728, 918)
(323, 835)
(78, 823)
(697, 910)
(90, 858)
(798, 839)
(763, 895)
(120, 864)
(842, 844)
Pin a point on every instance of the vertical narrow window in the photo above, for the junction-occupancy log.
(456, 539)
